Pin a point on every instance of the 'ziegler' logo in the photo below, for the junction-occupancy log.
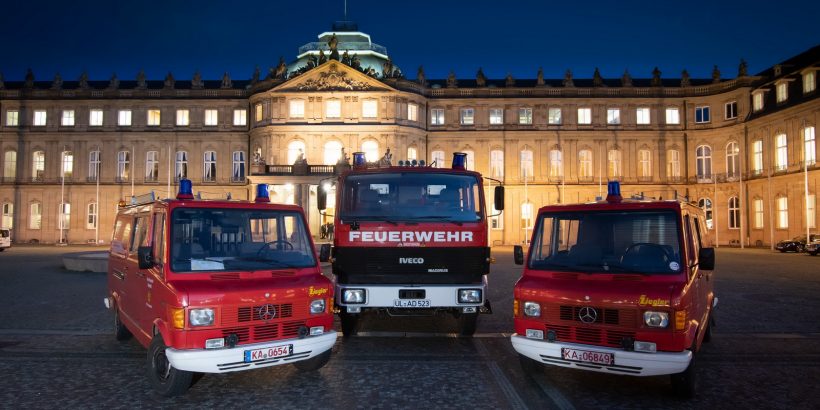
(316, 292)
(652, 302)
(414, 261)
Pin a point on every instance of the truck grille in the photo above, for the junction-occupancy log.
(591, 336)
(248, 313)
(383, 265)
(265, 332)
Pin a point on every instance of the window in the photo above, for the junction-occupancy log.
(123, 165)
(64, 218)
(757, 157)
(706, 205)
(151, 166)
(68, 118)
(809, 83)
(757, 207)
(297, 109)
(672, 116)
(644, 163)
(782, 92)
(496, 116)
(91, 216)
(211, 118)
(240, 117)
(585, 116)
(811, 212)
(809, 146)
(525, 116)
(757, 101)
(554, 116)
(10, 166)
(469, 160)
(732, 163)
(154, 117)
(371, 151)
(437, 116)
(703, 161)
(673, 163)
(38, 165)
(731, 110)
(412, 153)
(614, 164)
(526, 165)
(181, 165)
(642, 116)
(209, 171)
(497, 163)
(67, 168)
(40, 118)
(124, 118)
(734, 213)
(93, 165)
(35, 215)
(437, 159)
(333, 109)
(781, 152)
(613, 116)
(702, 115)
(95, 118)
(370, 109)
(556, 163)
(412, 112)
(526, 218)
(296, 150)
(585, 164)
(467, 116)
(238, 168)
(183, 118)
(257, 111)
(12, 118)
(8, 216)
(333, 152)
(782, 212)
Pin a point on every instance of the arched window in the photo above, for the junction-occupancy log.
(614, 164)
(296, 150)
(38, 166)
(497, 163)
(238, 169)
(732, 164)
(781, 157)
(123, 165)
(556, 164)
(209, 170)
(706, 205)
(734, 213)
(673, 164)
(437, 159)
(526, 165)
(10, 166)
(8, 216)
(333, 152)
(645, 163)
(412, 153)
(35, 218)
(371, 150)
(91, 216)
(585, 164)
(181, 167)
(470, 163)
(782, 212)
(703, 155)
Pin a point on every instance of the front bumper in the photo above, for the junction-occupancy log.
(630, 363)
(233, 359)
(385, 296)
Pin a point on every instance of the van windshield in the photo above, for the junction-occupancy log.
(643, 242)
(205, 239)
(4, 233)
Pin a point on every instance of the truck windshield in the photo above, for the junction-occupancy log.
(643, 242)
(411, 197)
(204, 239)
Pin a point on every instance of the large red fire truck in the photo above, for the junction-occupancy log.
(621, 286)
(410, 240)
(215, 286)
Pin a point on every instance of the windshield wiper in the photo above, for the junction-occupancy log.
(439, 217)
(373, 218)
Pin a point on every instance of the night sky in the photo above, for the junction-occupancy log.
(502, 37)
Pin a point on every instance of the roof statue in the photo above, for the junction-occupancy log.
(568, 79)
(169, 80)
(715, 75)
(597, 80)
(355, 62)
(332, 44)
(510, 81)
(281, 69)
(300, 158)
(656, 77)
(451, 80)
(2, 83)
(255, 76)
(57, 84)
(387, 159)
(626, 79)
(83, 83)
(29, 79)
(387, 69)
(322, 57)
(480, 79)
(141, 84)
(420, 78)
(346, 58)
(539, 81)
(114, 82)
(742, 69)
(226, 81)
(312, 62)
(684, 79)
(196, 82)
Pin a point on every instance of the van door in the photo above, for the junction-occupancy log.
(706, 288)
(155, 278)
(118, 267)
(136, 280)
(693, 293)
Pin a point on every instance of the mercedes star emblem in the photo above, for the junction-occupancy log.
(587, 314)
(266, 312)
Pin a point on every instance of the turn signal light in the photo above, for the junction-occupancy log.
(177, 317)
(515, 307)
(680, 320)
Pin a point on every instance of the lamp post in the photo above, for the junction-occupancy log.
(740, 205)
(97, 201)
(61, 219)
(806, 178)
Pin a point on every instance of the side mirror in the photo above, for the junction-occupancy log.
(324, 252)
(498, 202)
(321, 198)
(706, 259)
(146, 260)
(518, 255)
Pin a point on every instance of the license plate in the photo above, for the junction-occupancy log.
(268, 353)
(411, 303)
(587, 356)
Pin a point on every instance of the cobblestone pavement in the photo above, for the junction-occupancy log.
(56, 350)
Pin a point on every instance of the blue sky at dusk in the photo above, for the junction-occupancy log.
(514, 37)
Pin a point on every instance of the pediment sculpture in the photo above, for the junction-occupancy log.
(333, 80)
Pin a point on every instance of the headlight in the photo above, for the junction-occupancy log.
(469, 296)
(317, 306)
(353, 296)
(656, 319)
(532, 309)
(201, 317)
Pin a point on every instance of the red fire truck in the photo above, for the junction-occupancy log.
(618, 286)
(410, 240)
(218, 286)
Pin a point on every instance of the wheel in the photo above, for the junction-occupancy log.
(165, 379)
(350, 323)
(314, 363)
(467, 323)
(530, 366)
(685, 382)
(121, 332)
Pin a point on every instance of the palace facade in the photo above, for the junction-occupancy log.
(744, 148)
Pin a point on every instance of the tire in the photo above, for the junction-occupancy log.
(121, 332)
(530, 366)
(166, 380)
(350, 324)
(467, 323)
(314, 363)
(684, 384)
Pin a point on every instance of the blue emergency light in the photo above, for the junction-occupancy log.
(459, 160)
(613, 191)
(262, 193)
(186, 189)
(359, 160)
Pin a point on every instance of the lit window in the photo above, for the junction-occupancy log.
(644, 163)
(91, 216)
(437, 116)
(93, 165)
(124, 118)
(809, 82)
(782, 90)
(525, 116)
(496, 116)
(467, 116)
(732, 165)
(371, 151)
(809, 146)
(811, 213)
(333, 109)
(702, 115)
(703, 162)
(734, 213)
(706, 205)
(211, 117)
(556, 163)
(297, 109)
(64, 218)
(526, 216)
(238, 173)
(35, 215)
(526, 165)
(240, 117)
(153, 118)
(782, 212)
(151, 166)
(370, 109)
(585, 116)
(333, 152)
(257, 111)
(781, 152)
(412, 153)
(731, 110)
(673, 163)
(614, 164)
(38, 165)
(613, 116)
(412, 112)
(12, 118)
(183, 118)
(296, 151)
(68, 164)
(672, 116)
(10, 165)
(181, 165)
(68, 118)
(123, 165)
(642, 116)
(497, 163)
(554, 116)
(437, 159)
(757, 207)
(8, 216)
(95, 118)
(757, 101)
(757, 157)
(209, 171)
(40, 118)
(585, 164)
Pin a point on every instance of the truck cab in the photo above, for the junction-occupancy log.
(621, 286)
(5, 239)
(216, 286)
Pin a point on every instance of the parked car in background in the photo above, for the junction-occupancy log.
(796, 244)
(5, 239)
(813, 247)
